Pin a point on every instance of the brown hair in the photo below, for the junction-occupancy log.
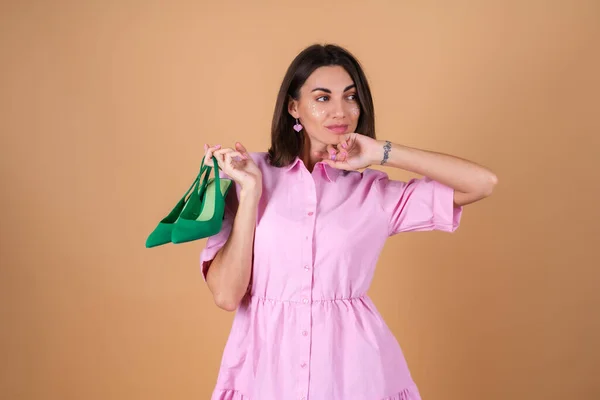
(286, 144)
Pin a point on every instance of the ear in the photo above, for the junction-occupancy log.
(293, 107)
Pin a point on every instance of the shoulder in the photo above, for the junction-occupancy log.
(262, 161)
(261, 158)
(380, 181)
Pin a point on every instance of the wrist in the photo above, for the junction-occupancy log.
(251, 192)
(380, 152)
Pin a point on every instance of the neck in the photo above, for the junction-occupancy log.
(308, 156)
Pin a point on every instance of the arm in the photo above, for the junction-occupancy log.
(471, 182)
(229, 273)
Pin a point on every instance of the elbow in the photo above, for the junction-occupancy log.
(491, 182)
(227, 303)
(227, 291)
(481, 191)
(229, 306)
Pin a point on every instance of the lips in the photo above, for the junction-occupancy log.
(337, 128)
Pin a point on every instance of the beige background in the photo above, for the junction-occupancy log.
(105, 107)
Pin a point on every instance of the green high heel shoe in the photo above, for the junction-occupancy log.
(163, 233)
(202, 216)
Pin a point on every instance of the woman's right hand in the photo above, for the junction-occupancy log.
(238, 165)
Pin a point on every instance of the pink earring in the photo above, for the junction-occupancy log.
(298, 127)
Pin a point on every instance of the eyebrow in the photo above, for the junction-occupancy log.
(329, 91)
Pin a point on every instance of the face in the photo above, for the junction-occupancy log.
(328, 105)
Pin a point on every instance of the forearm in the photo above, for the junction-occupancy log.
(229, 273)
(460, 174)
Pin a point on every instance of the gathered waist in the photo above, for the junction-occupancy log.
(306, 301)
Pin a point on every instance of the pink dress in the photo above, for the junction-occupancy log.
(307, 329)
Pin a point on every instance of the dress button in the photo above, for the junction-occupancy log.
(306, 267)
(310, 213)
(305, 301)
(303, 365)
(304, 333)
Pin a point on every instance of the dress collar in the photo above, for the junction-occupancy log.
(330, 172)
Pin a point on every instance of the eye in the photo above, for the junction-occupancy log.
(325, 98)
(353, 97)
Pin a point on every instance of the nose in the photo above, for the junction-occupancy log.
(338, 111)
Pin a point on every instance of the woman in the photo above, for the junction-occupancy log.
(302, 234)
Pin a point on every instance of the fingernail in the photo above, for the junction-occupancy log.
(344, 145)
(218, 146)
(333, 156)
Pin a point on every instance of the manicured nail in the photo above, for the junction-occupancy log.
(218, 146)
(333, 156)
(344, 145)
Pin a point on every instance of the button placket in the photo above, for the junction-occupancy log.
(305, 307)
(304, 343)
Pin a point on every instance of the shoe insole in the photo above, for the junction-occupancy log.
(208, 208)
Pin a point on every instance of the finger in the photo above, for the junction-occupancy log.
(214, 152)
(343, 142)
(231, 154)
(220, 156)
(220, 152)
(323, 155)
(332, 152)
(210, 150)
(239, 147)
(342, 156)
(348, 140)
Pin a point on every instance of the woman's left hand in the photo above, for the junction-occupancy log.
(353, 152)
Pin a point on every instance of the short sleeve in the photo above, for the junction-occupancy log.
(216, 242)
(418, 205)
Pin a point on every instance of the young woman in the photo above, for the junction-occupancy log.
(302, 234)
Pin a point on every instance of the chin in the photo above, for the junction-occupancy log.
(333, 138)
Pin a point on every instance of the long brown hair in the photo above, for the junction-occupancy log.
(286, 144)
